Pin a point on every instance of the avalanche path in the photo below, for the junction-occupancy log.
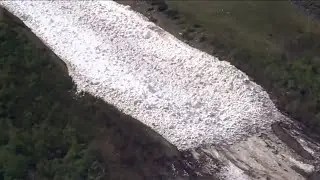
(189, 97)
(186, 95)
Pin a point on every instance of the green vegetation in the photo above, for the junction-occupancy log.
(269, 40)
(39, 134)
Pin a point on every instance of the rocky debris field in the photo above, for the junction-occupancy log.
(264, 144)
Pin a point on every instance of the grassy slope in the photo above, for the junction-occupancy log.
(46, 132)
(271, 41)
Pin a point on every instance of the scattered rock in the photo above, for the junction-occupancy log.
(290, 141)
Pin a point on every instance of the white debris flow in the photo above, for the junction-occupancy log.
(188, 96)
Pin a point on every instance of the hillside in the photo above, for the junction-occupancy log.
(49, 131)
(215, 121)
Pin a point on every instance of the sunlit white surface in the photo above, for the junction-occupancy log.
(189, 97)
